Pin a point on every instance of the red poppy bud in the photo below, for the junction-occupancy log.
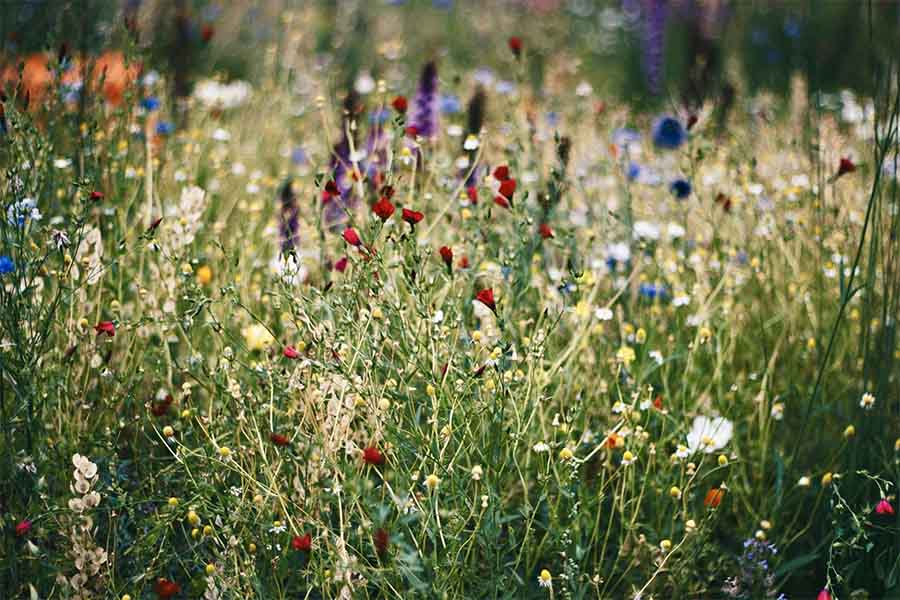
(161, 408)
(382, 539)
(658, 403)
(884, 507)
(291, 352)
(501, 201)
(302, 543)
(515, 44)
(279, 439)
(383, 209)
(545, 231)
(23, 527)
(486, 297)
(372, 456)
(341, 265)
(412, 216)
(332, 188)
(207, 32)
(446, 255)
(107, 327)
(846, 166)
(463, 262)
(96, 196)
(472, 193)
(351, 237)
(501, 173)
(387, 191)
(165, 589)
(824, 595)
(412, 131)
(400, 104)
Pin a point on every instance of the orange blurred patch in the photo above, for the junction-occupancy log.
(116, 76)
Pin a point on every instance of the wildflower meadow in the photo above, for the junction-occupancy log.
(449, 300)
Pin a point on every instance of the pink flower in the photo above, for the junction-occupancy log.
(884, 507)
(23, 527)
(824, 595)
(351, 237)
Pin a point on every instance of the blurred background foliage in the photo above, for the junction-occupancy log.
(648, 51)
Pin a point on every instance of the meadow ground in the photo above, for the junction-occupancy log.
(443, 334)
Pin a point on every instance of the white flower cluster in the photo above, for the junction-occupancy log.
(222, 96)
(87, 557)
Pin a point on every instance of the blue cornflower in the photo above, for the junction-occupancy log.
(164, 128)
(633, 172)
(298, 156)
(668, 133)
(450, 104)
(150, 103)
(652, 291)
(19, 213)
(6, 265)
(681, 188)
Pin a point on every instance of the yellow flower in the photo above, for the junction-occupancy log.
(210, 569)
(257, 337)
(628, 458)
(377, 314)
(432, 481)
(675, 492)
(826, 479)
(204, 275)
(173, 501)
(545, 579)
(850, 431)
(565, 454)
(224, 452)
(641, 336)
(168, 431)
(193, 518)
(665, 545)
(723, 460)
(625, 355)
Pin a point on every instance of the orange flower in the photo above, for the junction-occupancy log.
(714, 498)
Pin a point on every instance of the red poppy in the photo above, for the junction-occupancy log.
(291, 352)
(472, 193)
(515, 44)
(508, 188)
(373, 456)
(412, 216)
(165, 589)
(351, 237)
(332, 188)
(501, 173)
(884, 507)
(463, 262)
(161, 408)
(486, 297)
(545, 231)
(382, 539)
(279, 439)
(824, 595)
(412, 131)
(96, 196)
(383, 209)
(714, 498)
(387, 191)
(341, 265)
(207, 32)
(302, 543)
(501, 201)
(400, 104)
(658, 403)
(107, 327)
(23, 527)
(612, 440)
(446, 255)
(846, 166)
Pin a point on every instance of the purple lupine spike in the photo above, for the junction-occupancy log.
(425, 103)
(290, 217)
(653, 42)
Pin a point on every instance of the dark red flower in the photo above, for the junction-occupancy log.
(383, 209)
(508, 188)
(692, 120)
(351, 237)
(400, 104)
(412, 131)
(658, 403)
(515, 44)
(501, 201)
(291, 352)
(486, 297)
(463, 262)
(387, 191)
(279, 439)
(341, 265)
(332, 189)
(846, 166)
(207, 32)
(373, 456)
(96, 196)
(446, 255)
(107, 327)
(501, 173)
(382, 540)
(161, 408)
(165, 589)
(545, 231)
(23, 527)
(302, 543)
(412, 216)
